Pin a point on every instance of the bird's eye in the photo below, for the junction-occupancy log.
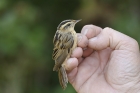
(68, 25)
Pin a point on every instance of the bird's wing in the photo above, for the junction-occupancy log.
(63, 44)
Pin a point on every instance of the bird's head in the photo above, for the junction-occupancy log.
(67, 25)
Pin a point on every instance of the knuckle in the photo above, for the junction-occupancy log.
(88, 26)
(134, 42)
(107, 29)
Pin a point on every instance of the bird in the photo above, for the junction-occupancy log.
(65, 41)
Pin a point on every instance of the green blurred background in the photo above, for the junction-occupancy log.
(26, 32)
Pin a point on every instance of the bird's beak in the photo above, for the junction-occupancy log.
(76, 21)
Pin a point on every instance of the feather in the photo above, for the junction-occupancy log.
(62, 48)
(62, 77)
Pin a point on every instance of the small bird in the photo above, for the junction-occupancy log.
(65, 41)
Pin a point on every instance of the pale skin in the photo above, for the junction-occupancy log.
(110, 64)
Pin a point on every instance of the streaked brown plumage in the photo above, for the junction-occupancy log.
(65, 40)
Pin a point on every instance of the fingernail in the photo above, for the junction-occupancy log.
(79, 38)
(85, 32)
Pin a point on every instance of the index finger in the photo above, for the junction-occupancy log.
(91, 31)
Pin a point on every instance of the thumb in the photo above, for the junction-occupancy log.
(113, 39)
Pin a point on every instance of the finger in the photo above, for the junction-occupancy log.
(80, 60)
(77, 52)
(91, 31)
(71, 67)
(113, 39)
(87, 52)
(72, 74)
(71, 64)
(82, 40)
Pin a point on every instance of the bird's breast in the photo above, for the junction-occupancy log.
(75, 40)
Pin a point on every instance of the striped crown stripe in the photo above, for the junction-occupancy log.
(62, 23)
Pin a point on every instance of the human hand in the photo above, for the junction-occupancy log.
(110, 64)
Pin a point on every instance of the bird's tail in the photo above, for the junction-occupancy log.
(63, 79)
(55, 68)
